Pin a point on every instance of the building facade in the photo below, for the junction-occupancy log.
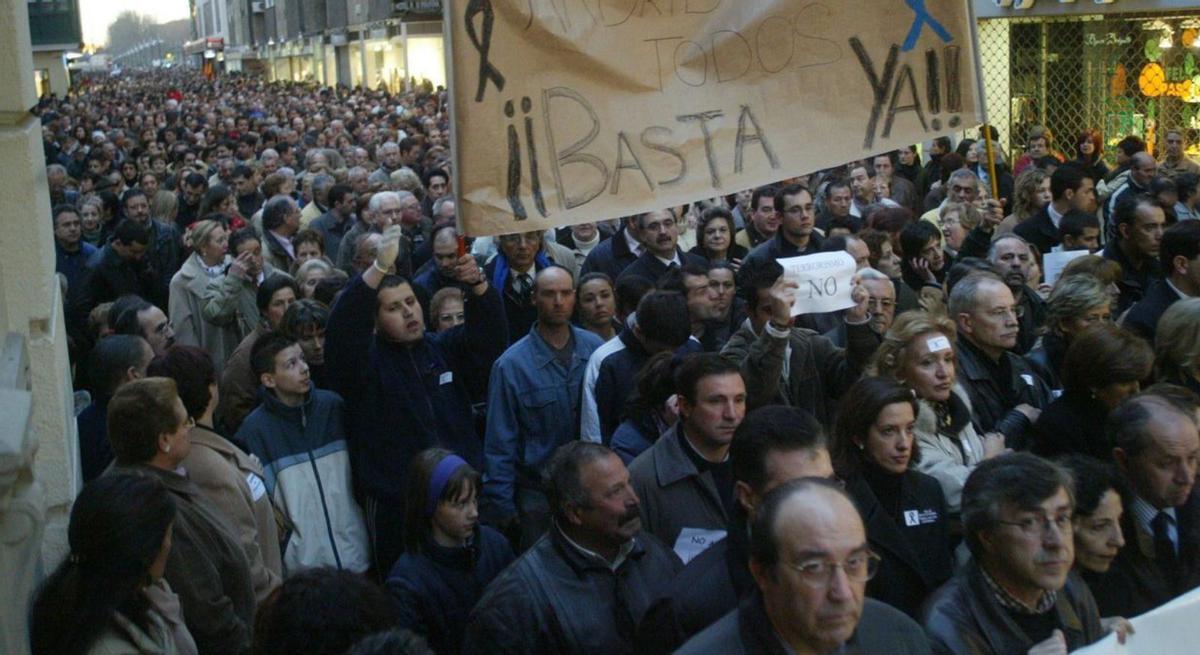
(390, 43)
(1119, 67)
(54, 30)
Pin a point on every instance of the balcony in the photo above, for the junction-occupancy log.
(54, 23)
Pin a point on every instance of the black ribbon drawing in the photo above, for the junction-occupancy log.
(483, 43)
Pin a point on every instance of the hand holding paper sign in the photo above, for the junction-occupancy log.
(783, 300)
(823, 282)
(859, 313)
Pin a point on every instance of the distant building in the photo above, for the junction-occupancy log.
(54, 30)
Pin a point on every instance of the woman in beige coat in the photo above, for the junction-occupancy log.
(194, 284)
(919, 352)
(109, 596)
(232, 479)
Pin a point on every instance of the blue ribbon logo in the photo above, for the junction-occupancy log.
(922, 18)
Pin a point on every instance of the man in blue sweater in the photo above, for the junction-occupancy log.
(405, 389)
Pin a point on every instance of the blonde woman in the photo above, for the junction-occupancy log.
(1031, 192)
(919, 352)
(1177, 344)
(192, 286)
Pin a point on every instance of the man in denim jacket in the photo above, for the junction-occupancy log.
(533, 406)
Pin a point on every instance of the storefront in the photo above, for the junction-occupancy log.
(207, 54)
(1133, 69)
(389, 53)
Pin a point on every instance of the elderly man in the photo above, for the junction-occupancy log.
(281, 221)
(384, 209)
(881, 306)
(1006, 394)
(533, 405)
(584, 586)
(1011, 257)
(660, 238)
(1018, 595)
(772, 446)
(811, 562)
(511, 271)
(1156, 446)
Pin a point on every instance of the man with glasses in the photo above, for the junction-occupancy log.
(1006, 394)
(660, 238)
(1017, 594)
(1013, 260)
(796, 236)
(810, 562)
(512, 272)
(881, 306)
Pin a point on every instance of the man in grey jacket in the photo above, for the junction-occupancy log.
(685, 480)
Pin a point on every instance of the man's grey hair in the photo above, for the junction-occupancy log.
(964, 297)
(357, 172)
(377, 200)
(869, 273)
(439, 203)
(1128, 426)
(56, 168)
(1020, 480)
(991, 254)
(964, 174)
(564, 474)
(390, 145)
(322, 183)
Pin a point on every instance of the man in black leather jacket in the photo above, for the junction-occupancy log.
(583, 587)
(1006, 395)
(1018, 593)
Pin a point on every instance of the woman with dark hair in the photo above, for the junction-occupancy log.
(129, 173)
(449, 558)
(874, 448)
(148, 428)
(714, 238)
(220, 199)
(922, 260)
(1099, 504)
(230, 478)
(647, 413)
(109, 595)
(1089, 149)
(596, 305)
(1105, 364)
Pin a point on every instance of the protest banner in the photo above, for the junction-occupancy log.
(825, 281)
(567, 111)
(1173, 629)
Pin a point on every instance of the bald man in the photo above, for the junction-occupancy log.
(533, 406)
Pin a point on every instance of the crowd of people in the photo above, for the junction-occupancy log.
(323, 421)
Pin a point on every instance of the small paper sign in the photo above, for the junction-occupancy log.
(1055, 262)
(825, 281)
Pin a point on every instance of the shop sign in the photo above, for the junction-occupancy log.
(1104, 40)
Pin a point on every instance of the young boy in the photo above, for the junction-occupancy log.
(299, 435)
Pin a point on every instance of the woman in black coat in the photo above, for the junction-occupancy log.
(1104, 365)
(904, 511)
(449, 558)
(714, 238)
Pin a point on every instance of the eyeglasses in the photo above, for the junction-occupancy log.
(818, 574)
(1037, 526)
